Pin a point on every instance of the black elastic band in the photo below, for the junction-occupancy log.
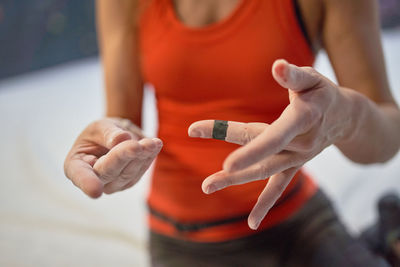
(301, 22)
(196, 226)
(219, 130)
(193, 227)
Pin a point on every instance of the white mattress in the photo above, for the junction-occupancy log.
(45, 221)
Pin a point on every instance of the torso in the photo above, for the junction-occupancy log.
(198, 14)
(216, 64)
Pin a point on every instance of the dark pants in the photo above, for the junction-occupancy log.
(314, 236)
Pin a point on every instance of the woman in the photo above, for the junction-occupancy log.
(208, 61)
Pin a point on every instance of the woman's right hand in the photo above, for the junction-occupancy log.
(110, 155)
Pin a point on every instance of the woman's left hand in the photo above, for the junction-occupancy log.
(319, 114)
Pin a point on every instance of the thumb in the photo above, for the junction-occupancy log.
(295, 78)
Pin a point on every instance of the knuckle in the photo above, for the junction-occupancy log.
(93, 128)
(136, 151)
(121, 157)
(115, 135)
(94, 124)
(133, 147)
(107, 178)
(314, 74)
(263, 171)
(310, 70)
(124, 123)
(126, 177)
(103, 173)
(246, 136)
(307, 144)
(310, 114)
(107, 135)
(291, 161)
(111, 132)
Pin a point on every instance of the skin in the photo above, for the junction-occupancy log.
(359, 115)
(320, 114)
(110, 155)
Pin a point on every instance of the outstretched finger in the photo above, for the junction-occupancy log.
(271, 193)
(270, 166)
(230, 131)
(272, 140)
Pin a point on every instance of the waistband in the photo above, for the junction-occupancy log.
(182, 227)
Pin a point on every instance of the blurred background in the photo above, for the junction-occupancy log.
(51, 88)
(38, 34)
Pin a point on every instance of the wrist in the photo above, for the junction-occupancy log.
(352, 104)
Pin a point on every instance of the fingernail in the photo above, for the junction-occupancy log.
(158, 142)
(194, 133)
(210, 189)
(254, 225)
(280, 68)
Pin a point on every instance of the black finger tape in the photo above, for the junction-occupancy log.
(219, 130)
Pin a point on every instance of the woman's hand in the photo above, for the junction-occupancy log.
(318, 115)
(110, 155)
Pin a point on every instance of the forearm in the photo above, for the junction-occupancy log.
(124, 88)
(120, 57)
(374, 133)
(124, 93)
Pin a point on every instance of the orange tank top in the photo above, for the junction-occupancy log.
(221, 71)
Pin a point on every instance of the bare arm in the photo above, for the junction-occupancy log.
(111, 154)
(351, 37)
(116, 27)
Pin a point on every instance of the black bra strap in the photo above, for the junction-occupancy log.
(301, 21)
